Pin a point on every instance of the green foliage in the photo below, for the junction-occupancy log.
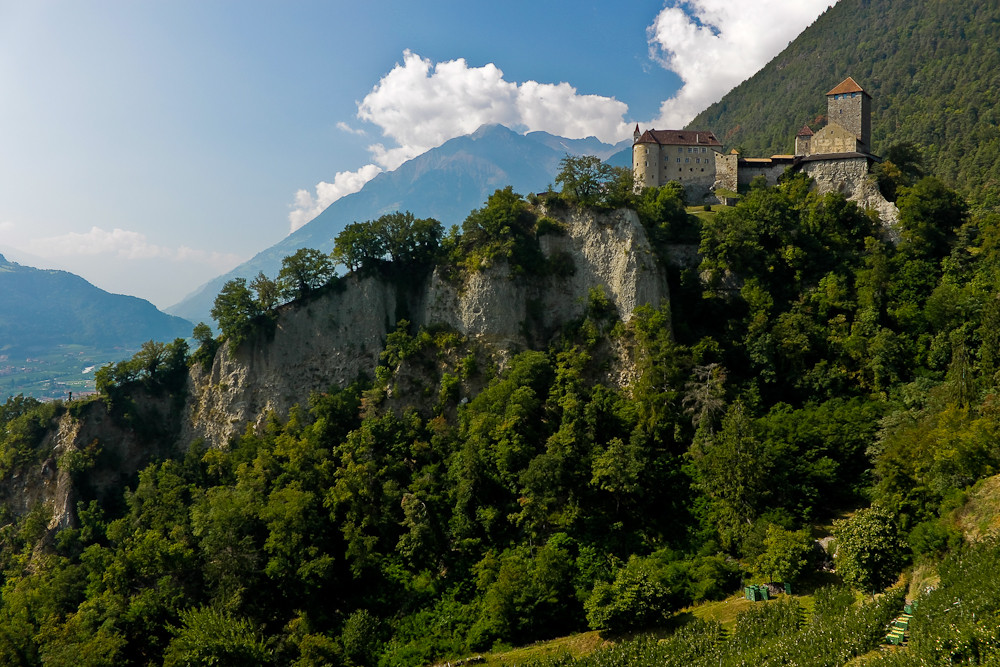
(235, 310)
(500, 231)
(869, 551)
(399, 238)
(608, 478)
(586, 181)
(209, 636)
(207, 345)
(641, 595)
(301, 274)
(785, 555)
(156, 367)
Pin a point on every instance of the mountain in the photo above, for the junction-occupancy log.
(41, 309)
(445, 183)
(933, 71)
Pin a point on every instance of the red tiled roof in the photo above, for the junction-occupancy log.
(679, 138)
(848, 85)
(805, 132)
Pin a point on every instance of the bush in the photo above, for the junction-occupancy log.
(640, 596)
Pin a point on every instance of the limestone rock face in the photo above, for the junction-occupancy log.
(851, 177)
(326, 342)
(609, 250)
(332, 339)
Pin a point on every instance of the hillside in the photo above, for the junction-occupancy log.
(931, 67)
(42, 309)
(512, 435)
(444, 183)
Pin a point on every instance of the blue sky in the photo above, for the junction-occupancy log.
(150, 146)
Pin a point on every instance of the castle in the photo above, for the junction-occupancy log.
(837, 157)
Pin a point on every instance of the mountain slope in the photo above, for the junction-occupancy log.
(445, 183)
(932, 68)
(41, 309)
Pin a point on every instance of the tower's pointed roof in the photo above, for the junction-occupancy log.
(805, 132)
(848, 85)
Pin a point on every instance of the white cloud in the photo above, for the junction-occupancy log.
(7, 226)
(124, 244)
(307, 207)
(419, 105)
(713, 45)
(344, 127)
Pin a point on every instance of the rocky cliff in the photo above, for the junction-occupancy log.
(332, 340)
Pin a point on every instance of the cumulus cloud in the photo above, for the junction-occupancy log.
(419, 105)
(124, 244)
(713, 45)
(307, 206)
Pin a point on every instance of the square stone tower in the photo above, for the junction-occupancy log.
(850, 107)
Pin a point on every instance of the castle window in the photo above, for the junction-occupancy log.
(678, 159)
(697, 159)
(704, 150)
(680, 150)
(687, 159)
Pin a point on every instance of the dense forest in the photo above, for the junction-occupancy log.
(931, 66)
(809, 372)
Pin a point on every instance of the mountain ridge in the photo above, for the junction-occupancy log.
(42, 308)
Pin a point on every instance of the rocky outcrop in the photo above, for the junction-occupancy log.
(330, 340)
(326, 342)
(850, 177)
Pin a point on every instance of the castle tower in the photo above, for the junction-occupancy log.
(850, 107)
(802, 141)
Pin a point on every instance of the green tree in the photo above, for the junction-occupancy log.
(585, 180)
(268, 292)
(399, 238)
(870, 552)
(929, 215)
(235, 310)
(785, 554)
(207, 345)
(733, 471)
(208, 636)
(304, 272)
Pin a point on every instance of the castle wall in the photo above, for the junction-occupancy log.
(834, 139)
(747, 171)
(692, 166)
